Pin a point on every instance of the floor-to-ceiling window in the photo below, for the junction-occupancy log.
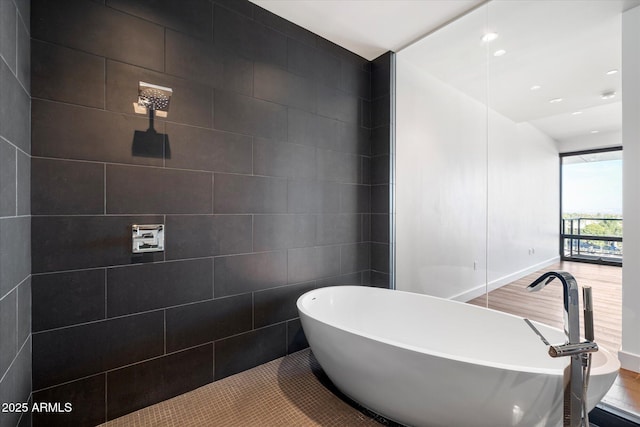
(591, 206)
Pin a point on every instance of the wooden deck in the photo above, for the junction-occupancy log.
(546, 307)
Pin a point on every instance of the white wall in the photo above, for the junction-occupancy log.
(440, 185)
(524, 200)
(630, 352)
(442, 201)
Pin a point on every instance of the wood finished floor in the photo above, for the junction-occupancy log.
(545, 306)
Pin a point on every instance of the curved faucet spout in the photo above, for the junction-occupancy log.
(570, 297)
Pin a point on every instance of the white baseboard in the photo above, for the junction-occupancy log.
(504, 280)
(629, 361)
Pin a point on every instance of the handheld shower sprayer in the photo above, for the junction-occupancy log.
(587, 301)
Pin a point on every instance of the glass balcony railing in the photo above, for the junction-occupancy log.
(592, 239)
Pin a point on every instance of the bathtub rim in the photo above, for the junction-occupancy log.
(602, 369)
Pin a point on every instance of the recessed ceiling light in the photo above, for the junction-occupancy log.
(576, 113)
(489, 37)
(499, 52)
(611, 72)
(555, 100)
(608, 95)
(595, 131)
(535, 87)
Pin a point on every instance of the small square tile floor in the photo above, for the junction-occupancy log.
(290, 391)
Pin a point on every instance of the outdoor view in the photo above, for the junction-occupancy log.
(592, 206)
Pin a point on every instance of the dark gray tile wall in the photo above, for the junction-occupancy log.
(380, 176)
(15, 209)
(261, 172)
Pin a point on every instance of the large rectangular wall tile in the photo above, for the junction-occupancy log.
(87, 399)
(326, 68)
(380, 228)
(64, 299)
(75, 242)
(380, 280)
(278, 304)
(355, 198)
(242, 7)
(238, 33)
(206, 149)
(249, 194)
(327, 262)
(296, 340)
(365, 113)
(337, 166)
(341, 280)
(380, 140)
(355, 257)
(8, 330)
(310, 129)
(78, 76)
(271, 232)
(355, 80)
(192, 236)
(8, 176)
(308, 60)
(276, 85)
(24, 54)
(52, 180)
(306, 264)
(341, 53)
(381, 111)
(366, 227)
(138, 288)
(237, 73)
(208, 64)
(70, 353)
(203, 322)
(248, 350)
(70, 132)
(112, 34)
(134, 189)
(380, 170)
(144, 384)
(351, 138)
(193, 17)
(282, 25)
(24, 184)
(335, 104)
(338, 228)
(304, 196)
(16, 386)
(247, 273)
(282, 159)
(24, 311)
(15, 251)
(24, 9)
(246, 115)
(193, 59)
(380, 199)
(380, 257)
(381, 75)
(14, 110)
(301, 57)
(191, 103)
(8, 30)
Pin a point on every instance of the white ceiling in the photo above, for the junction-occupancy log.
(565, 46)
(369, 28)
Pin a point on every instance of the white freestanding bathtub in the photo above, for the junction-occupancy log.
(427, 361)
